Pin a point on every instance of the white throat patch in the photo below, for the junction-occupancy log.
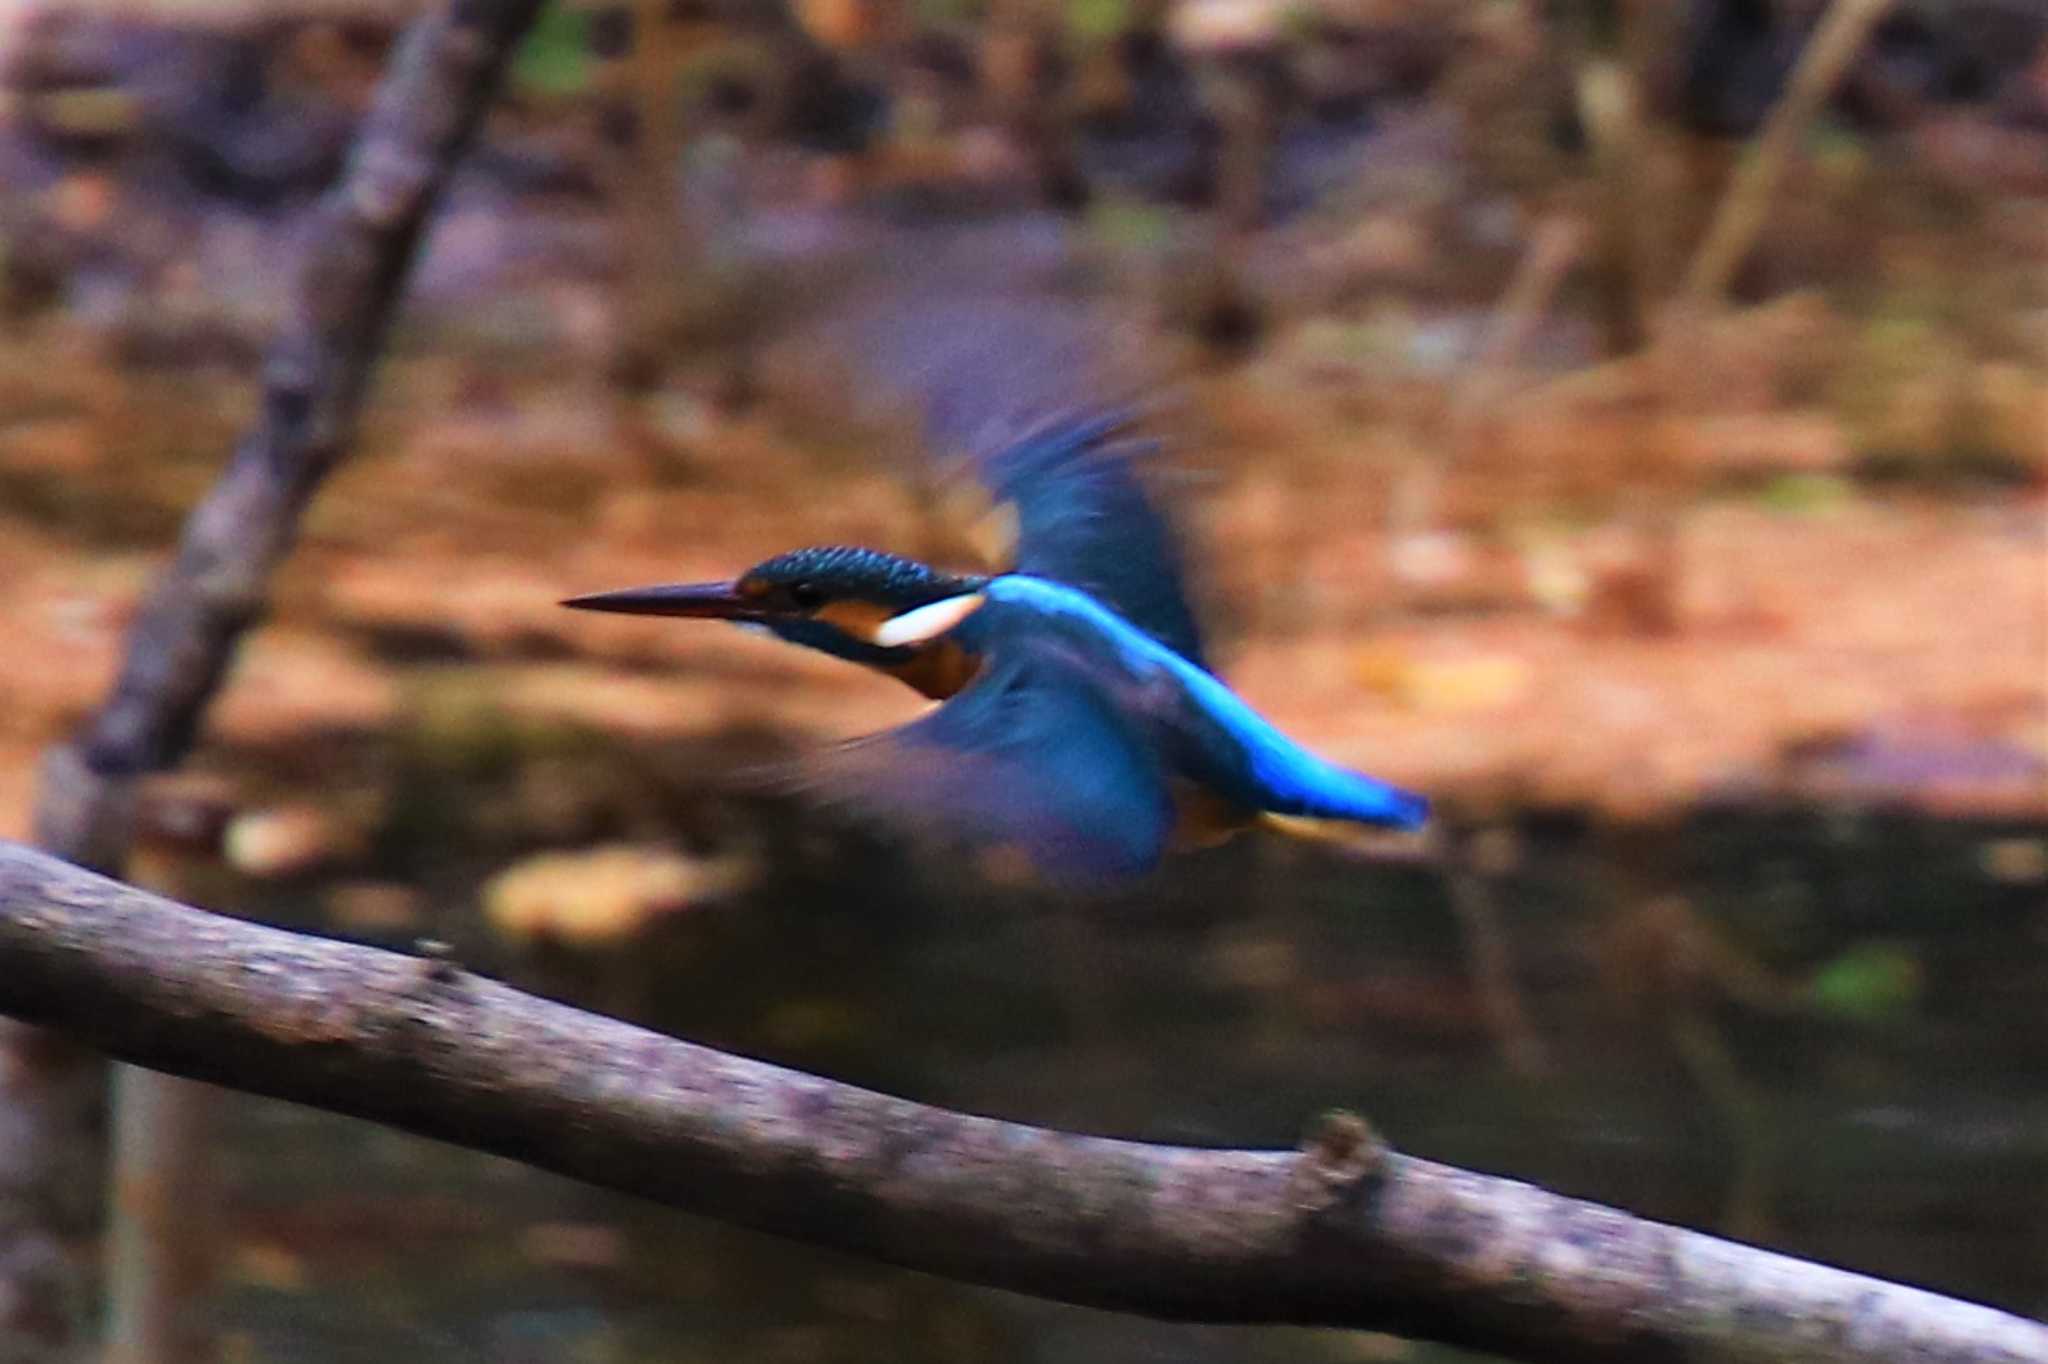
(927, 622)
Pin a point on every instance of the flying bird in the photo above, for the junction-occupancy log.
(1080, 733)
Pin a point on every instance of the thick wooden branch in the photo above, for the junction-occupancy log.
(1340, 1233)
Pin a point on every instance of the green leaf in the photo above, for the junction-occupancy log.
(1130, 225)
(1097, 21)
(1806, 494)
(555, 58)
(1872, 982)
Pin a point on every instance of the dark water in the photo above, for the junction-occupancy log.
(1822, 1029)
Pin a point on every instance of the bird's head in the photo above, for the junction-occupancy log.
(861, 605)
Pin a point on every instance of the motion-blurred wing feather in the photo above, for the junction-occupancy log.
(1085, 517)
(1028, 766)
(1021, 386)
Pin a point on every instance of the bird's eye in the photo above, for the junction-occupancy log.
(806, 595)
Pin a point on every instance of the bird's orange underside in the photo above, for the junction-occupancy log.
(939, 670)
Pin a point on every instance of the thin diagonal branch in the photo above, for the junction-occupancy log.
(1341, 1233)
(358, 250)
(1747, 200)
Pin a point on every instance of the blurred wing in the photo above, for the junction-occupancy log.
(1028, 766)
(1083, 516)
(1020, 385)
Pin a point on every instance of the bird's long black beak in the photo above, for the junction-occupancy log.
(709, 601)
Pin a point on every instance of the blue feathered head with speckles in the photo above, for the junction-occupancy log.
(826, 597)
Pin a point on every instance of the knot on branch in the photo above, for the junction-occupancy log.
(1339, 1155)
(439, 972)
(425, 999)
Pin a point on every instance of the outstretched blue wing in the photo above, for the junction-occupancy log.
(1029, 765)
(1014, 386)
(1085, 517)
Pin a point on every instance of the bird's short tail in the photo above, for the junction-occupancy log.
(1371, 844)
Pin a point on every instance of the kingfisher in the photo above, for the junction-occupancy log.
(1080, 733)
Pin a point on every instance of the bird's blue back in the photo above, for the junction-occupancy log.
(1211, 735)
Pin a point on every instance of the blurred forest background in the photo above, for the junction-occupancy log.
(1692, 551)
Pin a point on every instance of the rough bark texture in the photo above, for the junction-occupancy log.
(1340, 1233)
(358, 248)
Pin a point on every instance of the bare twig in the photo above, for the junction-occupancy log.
(358, 250)
(657, 255)
(161, 1260)
(1340, 1233)
(1609, 107)
(1746, 203)
(1486, 947)
(1553, 249)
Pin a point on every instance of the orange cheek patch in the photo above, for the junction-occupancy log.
(857, 618)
